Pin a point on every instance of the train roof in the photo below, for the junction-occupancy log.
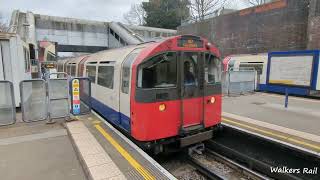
(76, 59)
(246, 55)
(63, 60)
(116, 55)
(149, 48)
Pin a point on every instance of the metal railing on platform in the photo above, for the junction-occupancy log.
(7, 104)
(235, 83)
(34, 102)
(58, 98)
(46, 99)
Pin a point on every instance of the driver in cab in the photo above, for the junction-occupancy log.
(188, 75)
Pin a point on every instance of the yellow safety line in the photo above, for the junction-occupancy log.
(125, 154)
(96, 122)
(273, 134)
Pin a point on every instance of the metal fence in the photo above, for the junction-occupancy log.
(235, 83)
(7, 104)
(45, 99)
(58, 98)
(34, 102)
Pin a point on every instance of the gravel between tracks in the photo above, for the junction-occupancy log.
(221, 169)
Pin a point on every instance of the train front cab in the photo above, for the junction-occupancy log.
(178, 93)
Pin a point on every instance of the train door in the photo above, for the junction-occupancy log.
(81, 66)
(107, 90)
(191, 73)
(212, 89)
(91, 73)
(124, 106)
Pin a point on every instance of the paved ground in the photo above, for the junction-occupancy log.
(302, 114)
(131, 160)
(37, 151)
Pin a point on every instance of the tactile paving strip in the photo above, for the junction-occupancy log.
(96, 161)
(153, 168)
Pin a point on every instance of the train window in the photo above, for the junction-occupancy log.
(126, 72)
(105, 76)
(91, 73)
(231, 64)
(212, 69)
(73, 70)
(122, 41)
(250, 66)
(158, 72)
(68, 69)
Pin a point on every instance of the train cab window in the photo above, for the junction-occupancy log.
(190, 68)
(105, 76)
(212, 69)
(158, 72)
(91, 73)
(126, 72)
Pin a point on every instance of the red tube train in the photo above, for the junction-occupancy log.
(160, 94)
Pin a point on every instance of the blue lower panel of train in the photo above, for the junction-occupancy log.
(111, 115)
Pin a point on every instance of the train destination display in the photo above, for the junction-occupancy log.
(291, 70)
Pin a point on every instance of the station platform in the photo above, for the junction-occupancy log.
(37, 151)
(107, 154)
(265, 115)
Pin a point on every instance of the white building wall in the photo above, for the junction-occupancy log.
(65, 37)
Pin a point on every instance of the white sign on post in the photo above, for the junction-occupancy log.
(291, 70)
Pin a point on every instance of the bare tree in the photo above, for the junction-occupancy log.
(3, 24)
(136, 15)
(256, 2)
(200, 9)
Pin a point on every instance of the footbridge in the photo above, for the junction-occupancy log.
(79, 35)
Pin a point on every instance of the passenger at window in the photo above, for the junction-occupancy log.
(188, 75)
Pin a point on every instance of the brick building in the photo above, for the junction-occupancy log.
(279, 25)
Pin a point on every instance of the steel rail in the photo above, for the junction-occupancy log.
(208, 173)
(261, 155)
(240, 168)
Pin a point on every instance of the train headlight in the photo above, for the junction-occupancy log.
(212, 100)
(162, 107)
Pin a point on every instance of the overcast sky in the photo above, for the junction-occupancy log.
(101, 10)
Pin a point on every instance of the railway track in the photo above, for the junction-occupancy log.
(202, 169)
(257, 154)
(215, 166)
(235, 154)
